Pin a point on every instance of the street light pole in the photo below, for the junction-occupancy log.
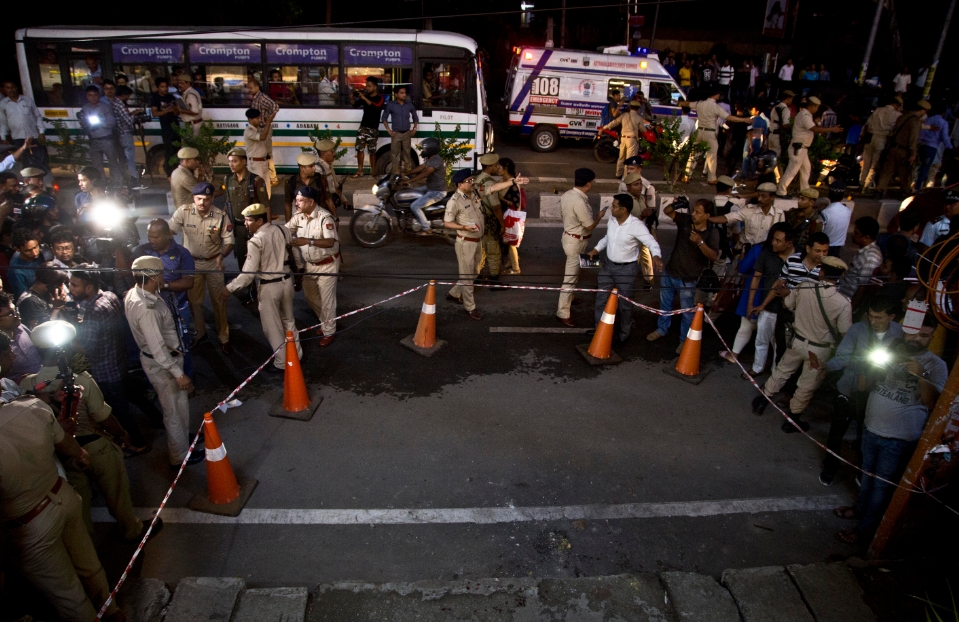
(872, 40)
(562, 26)
(652, 37)
(935, 59)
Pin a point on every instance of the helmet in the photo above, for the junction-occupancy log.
(951, 195)
(41, 202)
(767, 160)
(429, 147)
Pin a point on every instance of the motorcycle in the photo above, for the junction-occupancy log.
(373, 226)
(606, 146)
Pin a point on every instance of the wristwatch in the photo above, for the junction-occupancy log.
(311, 241)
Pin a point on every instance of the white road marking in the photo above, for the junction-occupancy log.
(535, 329)
(488, 516)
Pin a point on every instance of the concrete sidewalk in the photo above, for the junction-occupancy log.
(825, 592)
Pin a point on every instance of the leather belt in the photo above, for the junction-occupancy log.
(205, 258)
(277, 280)
(195, 121)
(621, 263)
(24, 519)
(329, 259)
(708, 129)
(578, 237)
(812, 343)
(150, 356)
(86, 439)
(260, 159)
(468, 239)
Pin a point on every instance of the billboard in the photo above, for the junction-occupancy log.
(774, 21)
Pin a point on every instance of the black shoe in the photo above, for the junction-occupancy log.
(789, 428)
(759, 404)
(826, 479)
(198, 456)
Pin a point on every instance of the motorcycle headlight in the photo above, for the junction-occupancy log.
(375, 188)
(382, 192)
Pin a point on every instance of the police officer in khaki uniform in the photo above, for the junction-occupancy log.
(633, 126)
(804, 130)
(267, 253)
(307, 176)
(464, 214)
(578, 225)
(645, 210)
(490, 250)
(42, 513)
(151, 323)
(317, 250)
(208, 236)
(324, 165)
(778, 120)
(243, 188)
(711, 117)
(96, 431)
(183, 178)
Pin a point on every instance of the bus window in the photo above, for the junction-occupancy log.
(86, 69)
(664, 94)
(443, 84)
(304, 74)
(392, 64)
(50, 90)
(226, 85)
(140, 63)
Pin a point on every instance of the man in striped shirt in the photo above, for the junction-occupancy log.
(268, 109)
(869, 257)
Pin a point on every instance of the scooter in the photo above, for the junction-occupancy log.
(373, 226)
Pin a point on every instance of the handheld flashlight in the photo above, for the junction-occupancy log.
(93, 119)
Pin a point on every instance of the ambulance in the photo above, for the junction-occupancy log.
(554, 92)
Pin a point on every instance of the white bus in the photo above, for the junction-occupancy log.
(310, 73)
(554, 92)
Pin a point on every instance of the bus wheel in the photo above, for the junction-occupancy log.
(545, 138)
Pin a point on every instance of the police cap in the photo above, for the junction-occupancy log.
(32, 171)
(256, 209)
(787, 94)
(488, 159)
(766, 187)
(308, 192)
(809, 193)
(462, 175)
(633, 161)
(834, 262)
(924, 105)
(239, 152)
(147, 265)
(187, 152)
(726, 180)
(632, 178)
(306, 159)
(204, 187)
(325, 145)
(815, 101)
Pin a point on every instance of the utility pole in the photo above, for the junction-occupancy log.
(562, 26)
(652, 37)
(918, 468)
(329, 11)
(935, 59)
(872, 40)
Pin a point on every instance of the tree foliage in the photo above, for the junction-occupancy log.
(673, 150)
(316, 135)
(72, 149)
(206, 142)
(452, 149)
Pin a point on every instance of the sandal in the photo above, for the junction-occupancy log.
(749, 374)
(846, 512)
(848, 536)
(357, 175)
(728, 356)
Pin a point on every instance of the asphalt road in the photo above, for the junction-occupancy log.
(492, 421)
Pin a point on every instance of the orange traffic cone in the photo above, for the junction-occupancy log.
(424, 341)
(224, 495)
(296, 401)
(688, 363)
(600, 348)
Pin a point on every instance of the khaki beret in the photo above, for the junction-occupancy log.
(187, 152)
(788, 93)
(809, 193)
(147, 264)
(766, 187)
(325, 145)
(239, 152)
(726, 180)
(489, 158)
(835, 262)
(632, 178)
(306, 159)
(32, 171)
(257, 209)
(815, 101)
(924, 104)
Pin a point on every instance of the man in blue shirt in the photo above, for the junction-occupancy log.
(878, 330)
(178, 268)
(98, 121)
(400, 121)
(22, 271)
(934, 132)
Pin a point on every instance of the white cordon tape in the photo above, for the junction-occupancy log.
(215, 455)
(695, 335)
(608, 318)
(429, 309)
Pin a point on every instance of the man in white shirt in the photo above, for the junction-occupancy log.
(900, 84)
(786, 73)
(835, 218)
(804, 130)
(711, 116)
(19, 120)
(624, 235)
(190, 106)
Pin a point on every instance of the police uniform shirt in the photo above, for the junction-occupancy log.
(192, 103)
(204, 236)
(464, 210)
(881, 122)
(153, 329)
(92, 409)
(255, 148)
(177, 263)
(649, 191)
(294, 183)
(577, 214)
(810, 322)
(779, 117)
(238, 193)
(709, 112)
(317, 225)
(28, 470)
(631, 122)
(802, 128)
(265, 252)
(329, 177)
(182, 182)
(756, 224)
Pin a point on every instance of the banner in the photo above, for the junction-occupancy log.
(301, 54)
(774, 21)
(147, 52)
(225, 53)
(377, 55)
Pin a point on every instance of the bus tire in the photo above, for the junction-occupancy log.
(545, 138)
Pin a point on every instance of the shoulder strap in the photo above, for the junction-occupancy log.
(832, 329)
